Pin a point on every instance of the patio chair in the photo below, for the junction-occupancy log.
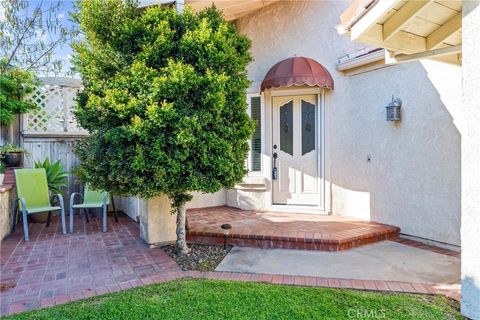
(33, 197)
(92, 199)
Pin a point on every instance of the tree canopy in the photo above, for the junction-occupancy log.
(164, 100)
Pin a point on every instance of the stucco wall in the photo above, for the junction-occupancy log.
(133, 206)
(202, 200)
(157, 224)
(413, 178)
(6, 205)
(470, 129)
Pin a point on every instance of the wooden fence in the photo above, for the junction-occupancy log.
(51, 131)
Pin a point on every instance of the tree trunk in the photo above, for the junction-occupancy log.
(181, 231)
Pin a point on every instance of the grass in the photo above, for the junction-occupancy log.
(208, 299)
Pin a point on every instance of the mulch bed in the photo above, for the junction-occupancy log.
(201, 257)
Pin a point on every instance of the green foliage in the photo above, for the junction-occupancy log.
(10, 148)
(164, 100)
(15, 84)
(208, 299)
(2, 167)
(56, 176)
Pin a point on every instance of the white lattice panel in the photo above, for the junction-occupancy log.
(56, 101)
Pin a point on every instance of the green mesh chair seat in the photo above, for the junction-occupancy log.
(33, 197)
(92, 199)
(43, 209)
(89, 205)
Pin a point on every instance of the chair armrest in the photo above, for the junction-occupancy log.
(60, 199)
(23, 204)
(105, 198)
(72, 198)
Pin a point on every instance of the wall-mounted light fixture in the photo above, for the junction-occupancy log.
(393, 109)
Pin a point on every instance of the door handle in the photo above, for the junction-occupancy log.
(274, 169)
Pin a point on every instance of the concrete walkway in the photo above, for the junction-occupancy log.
(386, 260)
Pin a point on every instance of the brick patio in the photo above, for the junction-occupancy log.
(54, 268)
(284, 230)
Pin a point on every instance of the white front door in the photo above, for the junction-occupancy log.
(296, 144)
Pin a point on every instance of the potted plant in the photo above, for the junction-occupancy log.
(12, 155)
(56, 179)
(2, 172)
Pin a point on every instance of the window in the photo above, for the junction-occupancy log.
(255, 158)
(286, 128)
(308, 127)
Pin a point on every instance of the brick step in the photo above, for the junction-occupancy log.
(320, 242)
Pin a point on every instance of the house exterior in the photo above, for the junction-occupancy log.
(454, 37)
(336, 152)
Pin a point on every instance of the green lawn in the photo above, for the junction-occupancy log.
(207, 299)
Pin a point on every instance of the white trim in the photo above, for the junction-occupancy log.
(321, 156)
(71, 134)
(262, 137)
(392, 58)
(361, 60)
(378, 10)
(296, 209)
(292, 91)
(61, 81)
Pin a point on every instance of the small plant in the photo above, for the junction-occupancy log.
(10, 148)
(12, 155)
(56, 176)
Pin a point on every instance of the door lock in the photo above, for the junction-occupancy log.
(275, 170)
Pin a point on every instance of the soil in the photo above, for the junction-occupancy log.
(201, 257)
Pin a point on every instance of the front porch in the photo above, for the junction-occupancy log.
(284, 230)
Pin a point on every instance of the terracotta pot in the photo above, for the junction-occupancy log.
(13, 159)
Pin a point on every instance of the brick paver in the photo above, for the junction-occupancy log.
(284, 230)
(53, 268)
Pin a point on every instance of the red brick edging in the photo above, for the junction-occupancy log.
(451, 291)
(423, 246)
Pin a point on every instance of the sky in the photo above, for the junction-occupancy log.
(64, 52)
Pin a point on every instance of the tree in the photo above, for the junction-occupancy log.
(30, 32)
(164, 101)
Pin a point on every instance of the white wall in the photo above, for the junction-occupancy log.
(470, 129)
(202, 200)
(134, 206)
(413, 178)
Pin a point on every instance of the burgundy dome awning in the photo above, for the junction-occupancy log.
(297, 71)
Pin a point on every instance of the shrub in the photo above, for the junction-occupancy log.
(164, 101)
(15, 85)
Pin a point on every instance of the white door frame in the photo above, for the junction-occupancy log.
(268, 99)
